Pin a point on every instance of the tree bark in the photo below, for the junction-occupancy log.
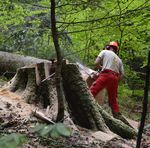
(84, 109)
(60, 94)
(28, 83)
(117, 126)
(10, 62)
(145, 103)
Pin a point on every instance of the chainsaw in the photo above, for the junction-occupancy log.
(90, 75)
(90, 72)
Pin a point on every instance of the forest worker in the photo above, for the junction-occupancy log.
(111, 72)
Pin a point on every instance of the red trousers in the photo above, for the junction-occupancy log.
(109, 80)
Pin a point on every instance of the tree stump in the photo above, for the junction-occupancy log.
(28, 82)
(83, 107)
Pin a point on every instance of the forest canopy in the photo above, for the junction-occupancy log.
(84, 27)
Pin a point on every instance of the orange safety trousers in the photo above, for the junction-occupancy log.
(109, 80)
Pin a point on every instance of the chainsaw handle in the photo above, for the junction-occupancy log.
(94, 75)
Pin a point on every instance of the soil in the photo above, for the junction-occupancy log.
(16, 116)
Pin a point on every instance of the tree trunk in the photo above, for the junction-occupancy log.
(10, 62)
(84, 109)
(28, 82)
(59, 88)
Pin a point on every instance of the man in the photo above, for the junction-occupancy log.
(111, 72)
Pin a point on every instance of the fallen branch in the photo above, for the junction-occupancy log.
(48, 78)
(41, 116)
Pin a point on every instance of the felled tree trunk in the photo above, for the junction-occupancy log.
(9, 62)
(84, 109)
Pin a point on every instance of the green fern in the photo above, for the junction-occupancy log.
(54, 131)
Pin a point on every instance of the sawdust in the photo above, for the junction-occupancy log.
(11, 102)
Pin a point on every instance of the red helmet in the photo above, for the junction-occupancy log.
(114, 44)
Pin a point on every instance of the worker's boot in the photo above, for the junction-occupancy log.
(120, 117)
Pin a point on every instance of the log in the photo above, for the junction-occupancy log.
(29, 72)
(85, 110)
(10, 62)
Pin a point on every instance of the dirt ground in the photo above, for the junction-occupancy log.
(16, 116)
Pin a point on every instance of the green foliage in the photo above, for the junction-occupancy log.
(12, 140)
(124, 91)
(55, 131)
(3, 79)
(90, 25)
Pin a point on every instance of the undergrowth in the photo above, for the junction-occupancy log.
(131, 102)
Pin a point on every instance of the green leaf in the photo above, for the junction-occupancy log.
(54, 133)
(63, 130)
(38, 128)
(46, 130)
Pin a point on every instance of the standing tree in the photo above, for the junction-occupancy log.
(58, 76)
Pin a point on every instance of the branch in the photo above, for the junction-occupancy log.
(128, 12)
(72, 4)
(41, 116)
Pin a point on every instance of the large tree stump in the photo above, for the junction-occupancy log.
(28, 82)
(83, 107)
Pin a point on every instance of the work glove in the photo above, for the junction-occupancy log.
(94, 75)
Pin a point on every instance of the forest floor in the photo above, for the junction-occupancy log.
(16, 116)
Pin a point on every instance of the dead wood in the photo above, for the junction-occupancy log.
(42, 117)
(10, 62)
